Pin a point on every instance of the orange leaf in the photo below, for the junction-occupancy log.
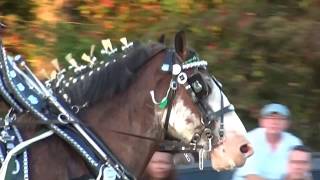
(107, 3)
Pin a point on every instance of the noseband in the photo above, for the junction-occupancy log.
(199, 91)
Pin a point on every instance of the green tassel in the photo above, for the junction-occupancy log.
(164, 103)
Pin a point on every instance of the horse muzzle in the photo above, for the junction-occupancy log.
(233, 152)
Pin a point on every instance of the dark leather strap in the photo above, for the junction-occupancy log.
(172, 94)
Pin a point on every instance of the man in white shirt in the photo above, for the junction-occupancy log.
(271, 146)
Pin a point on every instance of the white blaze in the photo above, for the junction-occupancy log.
(231, 120)
(183, 121)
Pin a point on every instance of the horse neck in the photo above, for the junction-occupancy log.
(132, 111)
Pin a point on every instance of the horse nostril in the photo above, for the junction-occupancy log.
(244, 149)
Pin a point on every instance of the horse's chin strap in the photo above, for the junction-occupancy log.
(173, 146)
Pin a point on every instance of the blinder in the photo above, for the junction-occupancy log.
(200, 88)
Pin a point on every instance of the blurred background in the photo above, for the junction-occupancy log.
(262, 51)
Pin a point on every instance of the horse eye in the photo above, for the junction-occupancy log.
(209, 90)
(197, 87)
(202, 68)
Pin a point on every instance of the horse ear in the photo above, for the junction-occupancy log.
(162, 39)
(180, 44)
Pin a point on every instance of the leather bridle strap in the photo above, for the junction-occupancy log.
(171, 96)
(211, 115)
(169, 63)
(173, 146)
(223, 110)
(221, 128)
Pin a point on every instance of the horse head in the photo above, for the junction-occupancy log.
(201, 114)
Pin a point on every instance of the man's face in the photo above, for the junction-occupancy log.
(299, 164)
(274, 123)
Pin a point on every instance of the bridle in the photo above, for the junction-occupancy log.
(199, 91)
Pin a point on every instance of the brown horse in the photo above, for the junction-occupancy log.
(121, 111)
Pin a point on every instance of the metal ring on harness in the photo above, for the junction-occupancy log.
(63, 118)
(196, 138)
(75, 108)
(208, 133)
